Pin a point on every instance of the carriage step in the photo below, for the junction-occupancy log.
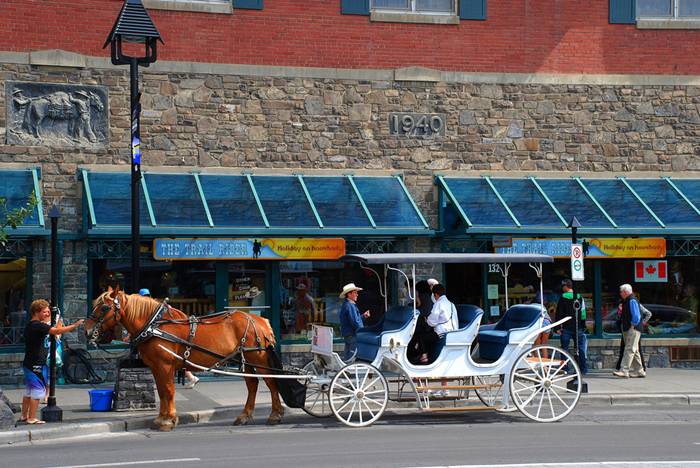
(459, 409)
(458, 387)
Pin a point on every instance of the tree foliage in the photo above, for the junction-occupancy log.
(11, 218)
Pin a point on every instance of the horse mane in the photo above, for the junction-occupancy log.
(139, 307)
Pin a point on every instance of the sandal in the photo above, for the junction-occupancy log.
(20, 422)
(35, 421)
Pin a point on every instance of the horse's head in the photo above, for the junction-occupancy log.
(96, 101)
(106, 313)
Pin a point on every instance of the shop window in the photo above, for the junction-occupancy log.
(309, 295)
(189, 286)
(13, 303)
(246, 288)
(673, 304)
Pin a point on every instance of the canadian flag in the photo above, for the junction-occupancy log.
(650, 271)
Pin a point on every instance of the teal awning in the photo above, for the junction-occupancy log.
(217, 204)
(539, 205)
(16, 187)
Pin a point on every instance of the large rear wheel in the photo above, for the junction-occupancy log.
(545, 389)
(359, 394)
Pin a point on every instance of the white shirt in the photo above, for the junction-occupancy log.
(443, 317)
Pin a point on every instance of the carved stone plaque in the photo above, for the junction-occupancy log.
(46, 114)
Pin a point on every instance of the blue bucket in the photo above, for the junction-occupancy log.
(101, 400)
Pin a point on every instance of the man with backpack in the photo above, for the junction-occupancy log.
(630, 322)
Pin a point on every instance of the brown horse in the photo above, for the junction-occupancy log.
(223, 335)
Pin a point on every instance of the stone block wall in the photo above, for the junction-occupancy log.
(197, 117)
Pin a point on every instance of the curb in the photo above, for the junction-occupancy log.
(229, 413)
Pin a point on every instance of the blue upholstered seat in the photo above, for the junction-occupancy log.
(370, 338)
(466, 313)
(494, 338)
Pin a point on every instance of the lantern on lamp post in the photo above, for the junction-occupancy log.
(134, 25)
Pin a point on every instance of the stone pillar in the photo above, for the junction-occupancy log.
(134, 389)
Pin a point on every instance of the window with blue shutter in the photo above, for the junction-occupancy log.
(248, 4)
(623, 12)
(472, 9)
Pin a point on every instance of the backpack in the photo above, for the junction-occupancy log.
(644, 313)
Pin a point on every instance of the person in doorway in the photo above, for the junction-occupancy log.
(350, 318)
(630, 319)
(35, 357)
(442, 319)
(304, 307)
(566, 307)
(190, 379)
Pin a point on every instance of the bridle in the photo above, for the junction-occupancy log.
(104, 308)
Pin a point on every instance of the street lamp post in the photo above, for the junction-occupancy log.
(51, 412)
(574, 224)
(134, 25)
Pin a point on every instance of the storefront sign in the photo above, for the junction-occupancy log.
(577, 262)
(249, 249)
(650, 271)
(594, 247)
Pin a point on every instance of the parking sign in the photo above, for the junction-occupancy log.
(577, 262)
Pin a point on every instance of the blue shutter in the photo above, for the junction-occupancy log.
(354, 7)
(248, 4)
(623, 12)
(472, 9)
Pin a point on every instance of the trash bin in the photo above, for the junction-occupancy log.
(101, 400)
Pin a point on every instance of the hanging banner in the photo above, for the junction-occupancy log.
(650, 271)
(593, 247)
(260, 248)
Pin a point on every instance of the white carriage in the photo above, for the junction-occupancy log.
(495, 362)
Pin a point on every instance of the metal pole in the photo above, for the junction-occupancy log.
(52, 413)
(573, 292)
(135, 175)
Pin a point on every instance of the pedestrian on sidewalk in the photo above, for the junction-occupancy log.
(35, 357)
(566, 307)
(630, 320)
(646, 315)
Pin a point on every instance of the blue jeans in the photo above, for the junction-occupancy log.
(566, 337)
(350, 346)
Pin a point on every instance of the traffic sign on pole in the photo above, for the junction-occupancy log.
(577, 262)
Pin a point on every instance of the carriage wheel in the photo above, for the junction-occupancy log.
(359, 395)
(493, 393)
(318, 403)
(545, 389)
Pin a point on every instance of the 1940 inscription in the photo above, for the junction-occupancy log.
(424, 125)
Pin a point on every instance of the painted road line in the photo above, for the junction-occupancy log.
(130, 463)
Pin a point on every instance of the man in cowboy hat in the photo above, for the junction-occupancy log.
(350, 318)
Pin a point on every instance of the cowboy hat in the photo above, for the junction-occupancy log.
(350, 287)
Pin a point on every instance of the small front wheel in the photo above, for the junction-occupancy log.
(545, 389)
(359, 394)
(317, 403)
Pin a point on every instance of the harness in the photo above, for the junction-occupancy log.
(152, 329)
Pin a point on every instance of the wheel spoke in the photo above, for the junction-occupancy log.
(527, 402)
(364, 379)
(318, 395)
(374, 392)
(539, 407)
(522, 389)
(567, 390)
(527, 377)
(371, 384)
(352, 411)
(534, 370)
(350, 400)
(551, 406)
(560, 399)
(566, 377)
(344, 388)
(372, 400)
(368, 408)
(348, 380)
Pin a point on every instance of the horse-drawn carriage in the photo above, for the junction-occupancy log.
(497, 362)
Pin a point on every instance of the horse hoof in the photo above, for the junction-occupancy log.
(166, 427)
(243, 421)
(273, 421)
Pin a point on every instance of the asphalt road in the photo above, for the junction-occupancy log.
(644, 436)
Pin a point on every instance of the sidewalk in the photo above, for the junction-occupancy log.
(220, 399)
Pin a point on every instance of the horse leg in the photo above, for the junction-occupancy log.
(246, 416)
(167, 418)
(277, 408)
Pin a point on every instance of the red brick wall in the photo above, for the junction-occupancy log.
(550, 36)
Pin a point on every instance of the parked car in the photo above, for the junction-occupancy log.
(664, 319)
